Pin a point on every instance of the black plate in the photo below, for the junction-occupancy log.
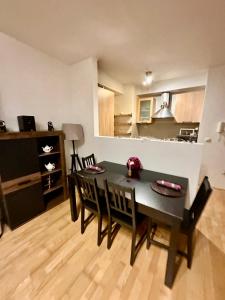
(90, 171)
(165, 191)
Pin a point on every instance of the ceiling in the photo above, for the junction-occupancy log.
(171, 38)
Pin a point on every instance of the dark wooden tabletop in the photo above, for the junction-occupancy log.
(146, 198)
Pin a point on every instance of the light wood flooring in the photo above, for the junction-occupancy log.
(48, 258)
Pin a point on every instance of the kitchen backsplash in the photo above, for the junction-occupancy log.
(163, 128)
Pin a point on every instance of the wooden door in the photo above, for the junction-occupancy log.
(106, 112)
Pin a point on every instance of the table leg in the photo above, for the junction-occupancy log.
(172, 252)
(72, 196)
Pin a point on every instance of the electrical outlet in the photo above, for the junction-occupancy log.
(220, 127)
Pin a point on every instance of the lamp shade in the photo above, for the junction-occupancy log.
(73, 132)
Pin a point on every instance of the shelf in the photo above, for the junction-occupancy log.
(122, 123)
(123, 115)
(54, 188)
(122, 133)
(48, 153)
(186, 122)
(144, 122)
(46, 173)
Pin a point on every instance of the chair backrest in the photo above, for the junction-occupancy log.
(120, 199)
(87, 189)
(88, 160)
(200, 201)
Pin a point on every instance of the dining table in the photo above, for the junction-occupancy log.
(162, 208)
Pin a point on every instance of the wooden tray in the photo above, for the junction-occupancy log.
(165, 191)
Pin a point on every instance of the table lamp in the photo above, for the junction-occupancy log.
(73, 132)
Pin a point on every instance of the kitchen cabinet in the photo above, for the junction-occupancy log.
(145, 109)
(188, 106)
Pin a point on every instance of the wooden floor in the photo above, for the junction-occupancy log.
(48, 258)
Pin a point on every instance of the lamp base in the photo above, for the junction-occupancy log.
(74, 160)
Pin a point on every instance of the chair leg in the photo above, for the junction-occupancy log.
(99, 230)
(189, 249)
(133, 244)
(109, 242)
(149, 229)
(82, 212)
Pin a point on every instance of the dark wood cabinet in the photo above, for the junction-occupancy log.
(18, 157)
(26, 184)
(23, 204)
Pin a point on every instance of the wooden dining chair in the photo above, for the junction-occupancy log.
(121, 207)
(88, 160)
(191, 217)
(91, 200)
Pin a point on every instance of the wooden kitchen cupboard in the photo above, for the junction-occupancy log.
(188, 106)
(145, 107)
(26, 185)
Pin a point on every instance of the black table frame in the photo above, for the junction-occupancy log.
(158, 209)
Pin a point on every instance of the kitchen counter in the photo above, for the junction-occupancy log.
(149, 139)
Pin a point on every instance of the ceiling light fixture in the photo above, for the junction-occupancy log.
(148, 78)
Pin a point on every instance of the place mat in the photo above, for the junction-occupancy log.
(165, 191)
(93, 171)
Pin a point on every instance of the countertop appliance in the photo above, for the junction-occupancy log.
(188, 134)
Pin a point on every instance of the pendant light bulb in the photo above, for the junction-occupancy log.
(148, 78)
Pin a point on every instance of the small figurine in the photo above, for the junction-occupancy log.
(50, 126)
(49, 182)
(47, 148)
(2, 126)
(50, 167)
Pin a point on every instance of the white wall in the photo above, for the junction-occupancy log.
(213, 163)
(32, 83)
(84, 94)
(124, 102)
(83, 78)
(199, 79)
(110, 82)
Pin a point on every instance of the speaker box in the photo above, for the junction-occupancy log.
(26, 123)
